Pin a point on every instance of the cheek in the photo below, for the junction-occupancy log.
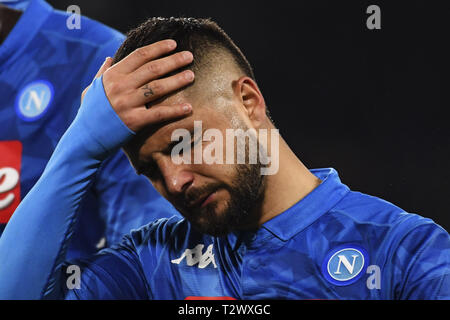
(224, 173)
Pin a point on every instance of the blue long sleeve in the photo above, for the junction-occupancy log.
(33, 245)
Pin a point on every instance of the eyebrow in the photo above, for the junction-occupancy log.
(142, 166)
(148, 168)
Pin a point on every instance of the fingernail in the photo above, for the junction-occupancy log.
(187, 108)
(172, 44)
(188, 55)
(189, 75)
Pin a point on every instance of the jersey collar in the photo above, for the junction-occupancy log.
(298, 217)
(24, 31)
(318, 202)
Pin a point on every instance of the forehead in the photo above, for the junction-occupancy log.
(210, 113)
(207, 117)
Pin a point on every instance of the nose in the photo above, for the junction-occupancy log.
(177, 177)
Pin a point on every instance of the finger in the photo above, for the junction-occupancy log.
(106, 64)
(84, 93)
(160, 88)
(159, 114)
(159, 67)
(145, 54)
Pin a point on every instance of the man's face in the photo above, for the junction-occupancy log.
(215, 198)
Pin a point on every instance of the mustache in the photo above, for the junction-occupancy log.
(194, 194)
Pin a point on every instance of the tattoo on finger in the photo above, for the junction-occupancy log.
(147, 91)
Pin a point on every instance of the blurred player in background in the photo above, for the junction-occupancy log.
(44, 66)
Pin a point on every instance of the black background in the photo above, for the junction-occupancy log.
(370, 103)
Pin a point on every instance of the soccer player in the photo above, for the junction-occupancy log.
(44, 66)
(294, 233)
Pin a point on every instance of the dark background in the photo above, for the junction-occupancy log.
(370, 103)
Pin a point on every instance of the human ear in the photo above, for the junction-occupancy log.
(251, 99)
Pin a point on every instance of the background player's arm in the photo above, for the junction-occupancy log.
(35, 239)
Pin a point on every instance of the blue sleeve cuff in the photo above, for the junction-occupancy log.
(95, 111)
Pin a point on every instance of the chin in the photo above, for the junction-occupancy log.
(213, 231)
(211, 220)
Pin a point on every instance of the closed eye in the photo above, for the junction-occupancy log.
(193, 143)
(149, 169)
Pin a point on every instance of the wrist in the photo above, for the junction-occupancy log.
(100, 121)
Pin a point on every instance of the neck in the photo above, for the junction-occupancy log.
(8, 19)
(291, 183)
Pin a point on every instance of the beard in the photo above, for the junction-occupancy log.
(240, 212)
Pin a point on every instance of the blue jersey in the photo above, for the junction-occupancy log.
(333, 244)
(44, 67)
(16, 4)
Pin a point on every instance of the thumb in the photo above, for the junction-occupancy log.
(106, 64)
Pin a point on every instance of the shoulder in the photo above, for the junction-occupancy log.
(369, 213)
(381, 225)
(386, 228)
(412, 252)
(87, 45)
(88, 32)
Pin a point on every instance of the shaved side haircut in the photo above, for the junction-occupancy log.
(203, 37)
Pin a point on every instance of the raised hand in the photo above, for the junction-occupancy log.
(137, 80)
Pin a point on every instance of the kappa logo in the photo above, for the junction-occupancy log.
(194, 256)
(34, 100)
(344, 265)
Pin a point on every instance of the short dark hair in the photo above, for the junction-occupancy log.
(191, 34)
(197, 35)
